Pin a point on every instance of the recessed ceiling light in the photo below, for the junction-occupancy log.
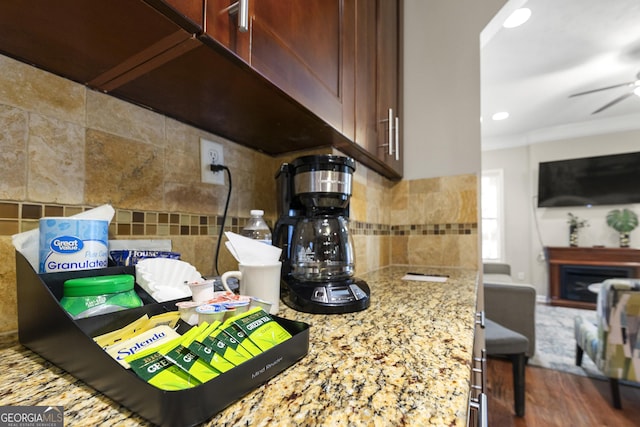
(500, 116)
(517, 18)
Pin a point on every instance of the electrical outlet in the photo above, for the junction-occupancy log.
(211, 153)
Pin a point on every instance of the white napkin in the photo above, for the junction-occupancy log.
(250, 251)
(231, 249)
(28, 243)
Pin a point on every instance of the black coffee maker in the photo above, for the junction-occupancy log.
(312, 230)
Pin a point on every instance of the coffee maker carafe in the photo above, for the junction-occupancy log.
(312, 230)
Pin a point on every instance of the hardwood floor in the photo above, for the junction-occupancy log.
(557, 399)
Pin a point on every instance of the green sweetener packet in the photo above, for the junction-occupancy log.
(261, 329)
(157, 370)
(227, 346)
(213, 356)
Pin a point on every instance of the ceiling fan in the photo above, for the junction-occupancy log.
(634, 87)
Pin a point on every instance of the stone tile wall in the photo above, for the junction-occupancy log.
(436, 220)
(65, 148)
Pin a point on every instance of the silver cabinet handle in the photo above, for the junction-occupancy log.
(241, 7)
(397, 139)
(483, 365)
(393, 132)
(480, 318)
(482, 360)
(483, 412)
(390, 139)
(481, 409)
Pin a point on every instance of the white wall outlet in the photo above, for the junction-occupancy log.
(211, 153)
(521, 276)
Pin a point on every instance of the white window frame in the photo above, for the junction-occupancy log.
(498, 176)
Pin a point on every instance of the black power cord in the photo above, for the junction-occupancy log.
(218, 168)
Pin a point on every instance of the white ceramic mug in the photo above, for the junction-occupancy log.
(258, 280)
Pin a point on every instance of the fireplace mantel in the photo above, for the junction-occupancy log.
(559, 257)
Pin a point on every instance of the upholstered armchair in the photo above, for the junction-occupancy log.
(512, 305)
(510, 324)
(496, 272)
(613, 344)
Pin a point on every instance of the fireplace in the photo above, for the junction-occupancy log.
(573, 269)
(575, 280)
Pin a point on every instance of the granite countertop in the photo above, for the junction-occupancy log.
(403, 361)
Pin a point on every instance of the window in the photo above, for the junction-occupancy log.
(492, 221)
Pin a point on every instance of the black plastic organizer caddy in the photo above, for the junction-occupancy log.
(45, 328)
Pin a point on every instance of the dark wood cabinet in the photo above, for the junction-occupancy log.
(90, 40)
(232, 102)
(299, 46)
(377, 110)
(367, 124)
(292, 81)
(387, 84)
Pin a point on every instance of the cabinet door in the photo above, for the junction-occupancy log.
(295, 44)
(366, 114)
(377, 115)
(387, 90)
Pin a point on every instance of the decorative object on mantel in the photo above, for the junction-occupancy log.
(575, 224)
(624, 222)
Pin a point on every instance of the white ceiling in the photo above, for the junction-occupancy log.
(566, 47)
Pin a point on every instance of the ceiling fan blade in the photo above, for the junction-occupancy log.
(615, 101)
(602, 88)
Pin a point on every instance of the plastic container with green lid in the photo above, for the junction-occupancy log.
(90, 296)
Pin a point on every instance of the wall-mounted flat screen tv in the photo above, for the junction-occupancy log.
(602, 180)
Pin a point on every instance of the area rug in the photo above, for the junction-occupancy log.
(555, 342)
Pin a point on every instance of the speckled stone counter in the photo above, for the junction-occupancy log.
(403, 361)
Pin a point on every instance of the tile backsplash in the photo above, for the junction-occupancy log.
(65, 148)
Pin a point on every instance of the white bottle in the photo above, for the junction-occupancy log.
(257, 228)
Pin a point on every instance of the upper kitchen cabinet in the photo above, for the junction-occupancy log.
(377, 82)
(304, 48)
(208, 87)
(284, 78)
(389, 142)
(91, 41)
